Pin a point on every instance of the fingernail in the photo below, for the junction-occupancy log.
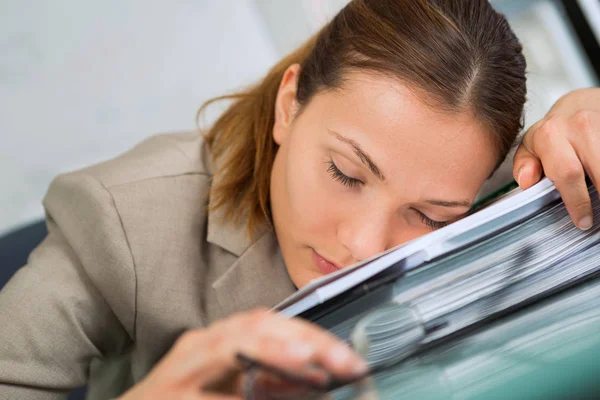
(341, 355)
(360, 367)
(585, 223)
(519, 176)
(300, 350)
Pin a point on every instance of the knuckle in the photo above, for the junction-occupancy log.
(214, 341)
(548, 129)
(581, 205)
(188, 340)
(582, 121)
(570, 171)
(256, 317)
(260, 310)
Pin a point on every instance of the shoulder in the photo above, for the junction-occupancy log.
(132, 218)
(162, 182)
(164, 178)
(160, 186)
(160, 156)
(162, 168)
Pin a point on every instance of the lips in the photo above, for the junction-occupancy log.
(324, 265)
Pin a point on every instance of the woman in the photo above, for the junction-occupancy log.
(380, 129)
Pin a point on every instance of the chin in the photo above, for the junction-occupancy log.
(303, 278)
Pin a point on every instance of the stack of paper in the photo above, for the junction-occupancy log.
(512, 209)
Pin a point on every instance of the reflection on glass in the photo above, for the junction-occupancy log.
(550, 349)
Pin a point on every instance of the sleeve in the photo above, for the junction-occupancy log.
(74, 300)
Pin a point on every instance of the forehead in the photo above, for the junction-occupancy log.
(411, 141)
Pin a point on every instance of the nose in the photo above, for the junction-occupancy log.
(366, 234)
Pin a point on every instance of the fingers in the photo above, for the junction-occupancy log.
(574, 192)
(294, 343)
(563, 166)
(159, 384)
(200, 358)
(527, 167)
(206, 355)
(584, 127)
(211, 396)
(585, 138)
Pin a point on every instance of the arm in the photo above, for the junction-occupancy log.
(73, 301)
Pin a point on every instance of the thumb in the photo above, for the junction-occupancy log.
(527, 168)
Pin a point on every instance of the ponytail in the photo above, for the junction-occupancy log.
(243, 150)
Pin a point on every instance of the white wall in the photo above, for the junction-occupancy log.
(291, 22)
(81, 81)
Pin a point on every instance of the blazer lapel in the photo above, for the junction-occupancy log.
(258, 278)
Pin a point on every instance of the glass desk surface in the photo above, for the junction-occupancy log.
(549, 350)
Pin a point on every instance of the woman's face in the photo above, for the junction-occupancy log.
(366, 168)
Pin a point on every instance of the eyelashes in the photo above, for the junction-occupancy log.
(431, 223)
(342, 178)
(350, 182)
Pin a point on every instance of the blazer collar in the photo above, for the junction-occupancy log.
(225, 234)
(258, 277)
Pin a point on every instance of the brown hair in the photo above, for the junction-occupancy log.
(461, 54)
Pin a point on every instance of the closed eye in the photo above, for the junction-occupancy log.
(342, 178)
(433, 224)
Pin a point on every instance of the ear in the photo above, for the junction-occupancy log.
(286, 105)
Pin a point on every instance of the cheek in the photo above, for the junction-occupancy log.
(408, 228)
(313, 202)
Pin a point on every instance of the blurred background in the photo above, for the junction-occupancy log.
(81, 82)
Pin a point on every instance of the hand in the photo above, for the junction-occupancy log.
(564, 146)
(202, 364)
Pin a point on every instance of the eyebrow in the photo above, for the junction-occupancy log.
(444, 203)
(362, 155)
(365, 159)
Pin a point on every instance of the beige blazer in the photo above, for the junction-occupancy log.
(131, 261)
